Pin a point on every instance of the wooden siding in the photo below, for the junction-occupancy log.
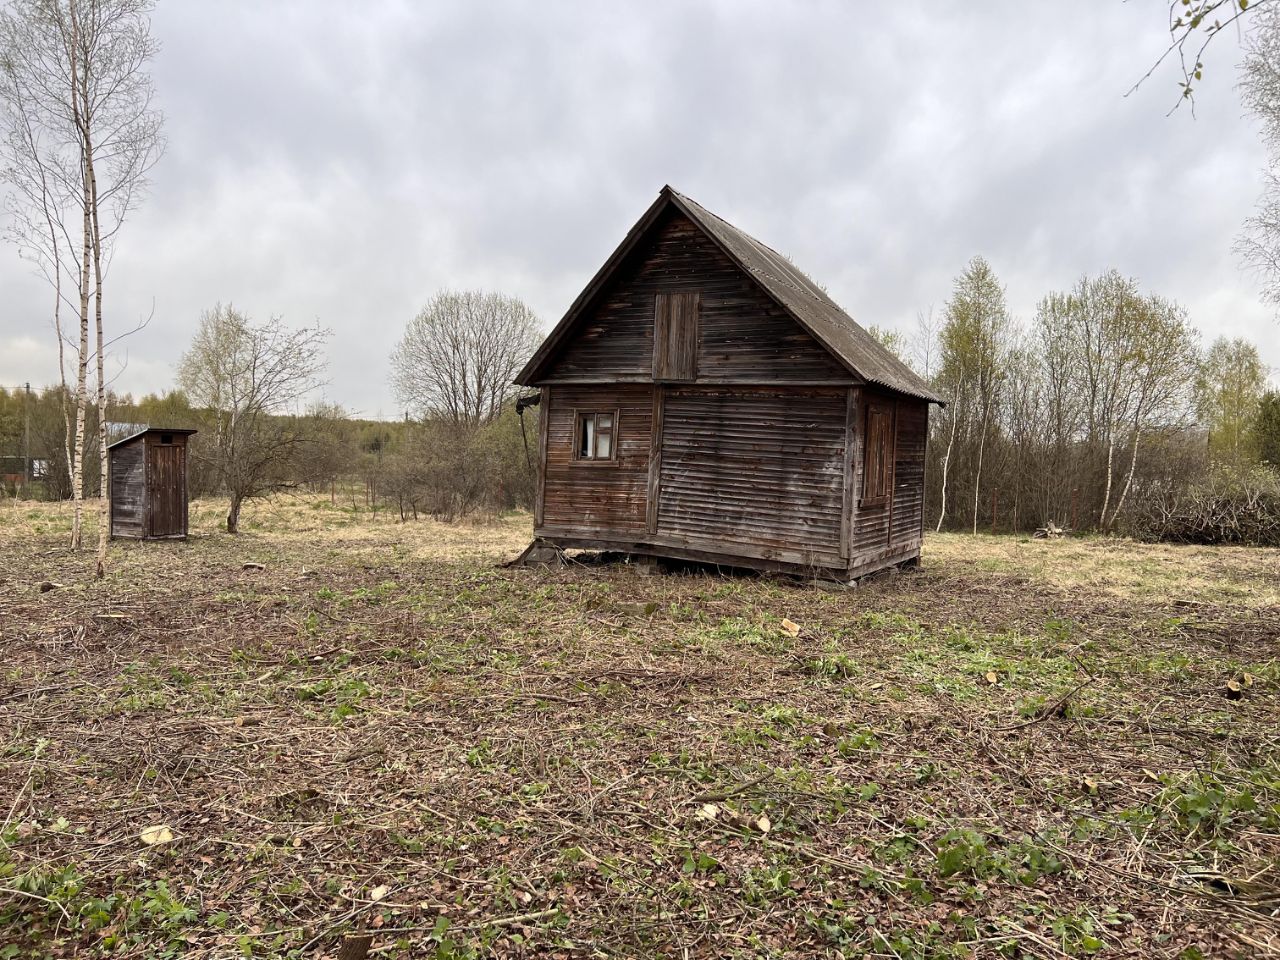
(148, 489)
(743, 335)
(128, 490)
(675, 336)
(892, 528)
(908, 471)
(756, 472)
(598, 496)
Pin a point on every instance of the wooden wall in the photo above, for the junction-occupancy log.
(893, 529)
(908, 473)
(166, 487)
(754, 471)
(128, 489)
(743, 335)
(591, 497)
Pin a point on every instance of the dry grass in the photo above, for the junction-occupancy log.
(1023, 750)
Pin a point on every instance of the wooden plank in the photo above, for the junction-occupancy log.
(610, 494)
(690, 548)
(544, 423)
(753, 471)
(892, 479)
(850, 454)
(886, 557)
(655, 460)
(764, 380)
(126, 490)
(743, 335)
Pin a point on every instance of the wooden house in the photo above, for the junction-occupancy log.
(703, 399)
(148, 484)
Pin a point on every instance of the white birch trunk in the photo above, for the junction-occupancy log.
(946, 461)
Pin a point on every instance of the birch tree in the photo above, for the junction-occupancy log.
(973, 343)
(80, 135)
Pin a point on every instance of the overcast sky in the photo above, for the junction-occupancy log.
(338, 163)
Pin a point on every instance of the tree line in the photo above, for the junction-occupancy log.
(249, 389)
(1088, 416)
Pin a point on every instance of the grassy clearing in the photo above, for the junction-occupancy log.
(1023, 750)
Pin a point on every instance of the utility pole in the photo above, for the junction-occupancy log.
(26, 442)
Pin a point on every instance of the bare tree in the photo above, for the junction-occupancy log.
(80, 137)
(248, 377)
(459, 356)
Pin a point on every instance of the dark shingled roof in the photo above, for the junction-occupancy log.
(793, 291)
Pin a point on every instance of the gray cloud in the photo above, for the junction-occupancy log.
(338, 163)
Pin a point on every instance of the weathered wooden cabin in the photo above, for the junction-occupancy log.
(703, 399)
(148, 484)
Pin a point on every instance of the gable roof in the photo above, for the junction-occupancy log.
(145, 430)
(799, 296)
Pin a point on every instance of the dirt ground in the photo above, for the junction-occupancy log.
(381, 743)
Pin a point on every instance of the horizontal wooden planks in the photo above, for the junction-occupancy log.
(742, 333)
(908, 486)
(894, 525)
(754, 467)
(128, 490)
(607, 496)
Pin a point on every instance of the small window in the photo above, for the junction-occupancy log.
(166, 438)
(596, 436)
(675, 336)
(877, 459)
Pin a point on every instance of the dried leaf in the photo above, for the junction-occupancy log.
(159, 833)
(790, 627)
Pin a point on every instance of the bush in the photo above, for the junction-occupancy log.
(1226, 507)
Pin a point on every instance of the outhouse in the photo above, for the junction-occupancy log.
(148, 484)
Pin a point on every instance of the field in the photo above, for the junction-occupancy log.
(382, 742)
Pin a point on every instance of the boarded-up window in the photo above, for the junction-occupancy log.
(595, 436)
(675, 336)
(877, 460)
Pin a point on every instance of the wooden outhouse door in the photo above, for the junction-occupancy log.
(166, 489)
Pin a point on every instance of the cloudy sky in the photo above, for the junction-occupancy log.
(338, 163)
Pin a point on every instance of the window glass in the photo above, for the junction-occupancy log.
(594, 436)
